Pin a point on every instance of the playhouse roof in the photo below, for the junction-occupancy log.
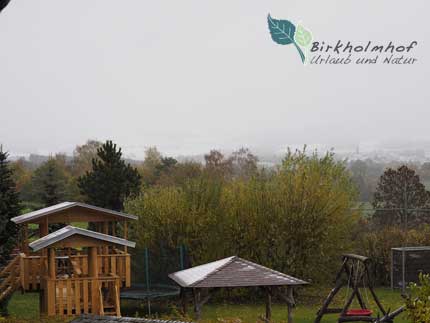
(69, 231)
(62, 208)
(232, 272)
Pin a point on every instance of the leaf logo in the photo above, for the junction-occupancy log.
(284, 32)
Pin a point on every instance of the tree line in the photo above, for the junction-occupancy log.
(297, 217)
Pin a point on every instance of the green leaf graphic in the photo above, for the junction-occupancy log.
(282, 32)
(302, 36)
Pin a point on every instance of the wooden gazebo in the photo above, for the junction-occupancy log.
(75, 270)
(234, 272)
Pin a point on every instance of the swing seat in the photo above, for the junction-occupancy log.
(359, 312)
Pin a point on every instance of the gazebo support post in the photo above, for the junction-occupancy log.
(197, 309)
(288, 297)
(290, 303)
(268, 304)
(184, 300)
(199, 302)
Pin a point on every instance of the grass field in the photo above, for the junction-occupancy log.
(26, 307)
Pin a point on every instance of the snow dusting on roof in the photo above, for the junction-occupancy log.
(192, 275)
(64, 206)
(233, 272)
(69, 231)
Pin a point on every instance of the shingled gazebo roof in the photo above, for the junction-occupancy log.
(232, 272)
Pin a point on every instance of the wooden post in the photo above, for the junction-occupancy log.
(93, 272)
(43, 231)
(268, 304)
(43, 227)
(106, 264)
(25, 238)
(113, 223)
(50, 297)
(125, 235)
(51, 263)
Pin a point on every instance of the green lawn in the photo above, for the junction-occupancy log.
(26, 307)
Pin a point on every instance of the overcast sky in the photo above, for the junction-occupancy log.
(188, 76)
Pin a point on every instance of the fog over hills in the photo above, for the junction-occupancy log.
(142, 74)
(385, 152)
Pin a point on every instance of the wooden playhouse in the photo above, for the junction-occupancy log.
(75, 270)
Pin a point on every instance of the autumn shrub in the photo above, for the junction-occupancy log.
(377, 244)
(296, 219)
(418, 301)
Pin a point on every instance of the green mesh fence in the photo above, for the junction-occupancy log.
(150, 269)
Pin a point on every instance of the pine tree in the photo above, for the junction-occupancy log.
(9, 208)
(50, 184)
(111, 180)
(401, 190)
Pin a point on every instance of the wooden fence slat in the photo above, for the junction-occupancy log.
(106, 262)
(85, 293)
(33, 273)
(60, 298)
(85, 266)
(100, 265)
(51, 297)
(21, 271)
(95, 299)
(69, 297)
(77, 297)
(27, 273)
(113, 265)
(117, 299)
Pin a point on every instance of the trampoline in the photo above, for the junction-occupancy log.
(141, 292)
(150, 269)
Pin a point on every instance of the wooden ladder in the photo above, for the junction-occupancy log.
(10, 278)
(110, 309)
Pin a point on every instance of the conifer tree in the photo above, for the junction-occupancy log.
(111, 180)
(9, 208)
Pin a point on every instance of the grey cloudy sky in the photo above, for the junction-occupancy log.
(192, 75)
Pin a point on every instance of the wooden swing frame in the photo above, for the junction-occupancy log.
(348, 270)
